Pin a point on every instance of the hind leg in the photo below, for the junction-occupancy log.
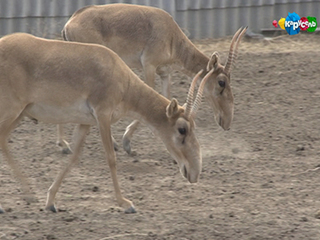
(7, 124)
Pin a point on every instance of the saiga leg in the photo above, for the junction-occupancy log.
(66, 148)
(79, 138)
(149, 72)
(6, 126)
(105, 132)
(61, 142)
(165, 74)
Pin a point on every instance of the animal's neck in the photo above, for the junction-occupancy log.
(144, 103)
(190, 57)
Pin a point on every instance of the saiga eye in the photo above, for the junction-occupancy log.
(182, 131)
(222, 83)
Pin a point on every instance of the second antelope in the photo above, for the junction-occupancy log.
(87, 84)
(149, 38)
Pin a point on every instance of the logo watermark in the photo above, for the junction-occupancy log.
(293, 23)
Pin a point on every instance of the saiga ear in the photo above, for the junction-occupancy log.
(213, 62)
(173, 108)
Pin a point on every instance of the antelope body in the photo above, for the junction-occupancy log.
(149, 38)
(87, 84)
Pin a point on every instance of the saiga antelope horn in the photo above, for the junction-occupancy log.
(234, 48)
(198, 99)
(190, 94)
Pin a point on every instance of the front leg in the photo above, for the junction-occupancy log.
(149, 73)
(126, 139)
(105, 132)
(165, 74)
(61, 142)
(1, 209)
(66, 147)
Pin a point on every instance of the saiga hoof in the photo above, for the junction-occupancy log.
(130, 210)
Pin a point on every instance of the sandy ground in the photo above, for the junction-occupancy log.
(259, 180)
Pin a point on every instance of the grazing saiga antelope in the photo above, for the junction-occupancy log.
(65, 82)
(149, 38)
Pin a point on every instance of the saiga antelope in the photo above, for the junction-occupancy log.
(149, 38)
(88, 84)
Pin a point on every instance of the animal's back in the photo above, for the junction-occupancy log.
(43, 68)
(127, 29)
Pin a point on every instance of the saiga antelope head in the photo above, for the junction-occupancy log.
(218, 89)
(183, 144)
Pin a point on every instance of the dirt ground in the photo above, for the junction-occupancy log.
(260, 180)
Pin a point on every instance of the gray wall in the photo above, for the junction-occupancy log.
(198, 18)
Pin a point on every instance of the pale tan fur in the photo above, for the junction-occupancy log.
(87, 84)
(148, 38)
